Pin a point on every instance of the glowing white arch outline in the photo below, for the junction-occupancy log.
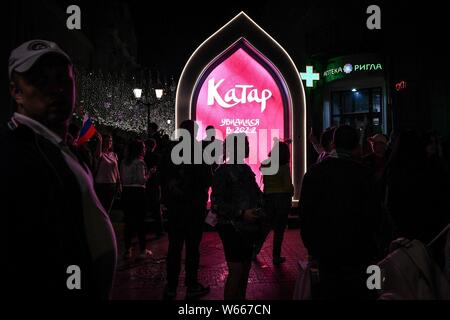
(294, 138)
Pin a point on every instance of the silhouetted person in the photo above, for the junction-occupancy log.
(237, 201)
(153, 133)
(214, 143)
(324, 147)
(107, 175)
(185, 195)
(435, 152)
(339, 219)
(418, 190)
(49, 199)
(376, 160)
(152, 160)
(278, 192)
(134, 176)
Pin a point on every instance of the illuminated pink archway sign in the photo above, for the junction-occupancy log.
(241, 80)
(242, 92)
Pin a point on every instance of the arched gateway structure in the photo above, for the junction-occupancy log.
(241, 80)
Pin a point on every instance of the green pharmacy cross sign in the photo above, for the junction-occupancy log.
(309, 76)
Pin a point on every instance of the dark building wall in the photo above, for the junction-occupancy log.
(420, 57)
(113, 36)
(106, 41)
(411, 41)
(43, 20)
(47, 20)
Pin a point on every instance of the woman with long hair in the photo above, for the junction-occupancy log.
(107, 176)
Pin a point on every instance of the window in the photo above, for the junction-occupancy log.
(347, 103)
(376, 100)
(361, 99)
(360, 108)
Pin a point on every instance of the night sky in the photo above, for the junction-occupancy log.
(168, 31)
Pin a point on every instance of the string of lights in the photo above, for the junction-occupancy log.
(108, 99)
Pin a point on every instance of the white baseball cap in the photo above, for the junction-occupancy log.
(24, 56)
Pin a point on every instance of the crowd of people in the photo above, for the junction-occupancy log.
(60, 195)
(353, 205)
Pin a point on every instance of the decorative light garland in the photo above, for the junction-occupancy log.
(109, 101)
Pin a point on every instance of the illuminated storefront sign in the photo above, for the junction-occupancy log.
(400, 85)
(348, 68)
(231, 85)
(340, 68)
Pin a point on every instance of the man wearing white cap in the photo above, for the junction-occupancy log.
(60, 240)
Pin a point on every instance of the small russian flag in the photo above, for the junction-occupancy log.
(87, 130)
